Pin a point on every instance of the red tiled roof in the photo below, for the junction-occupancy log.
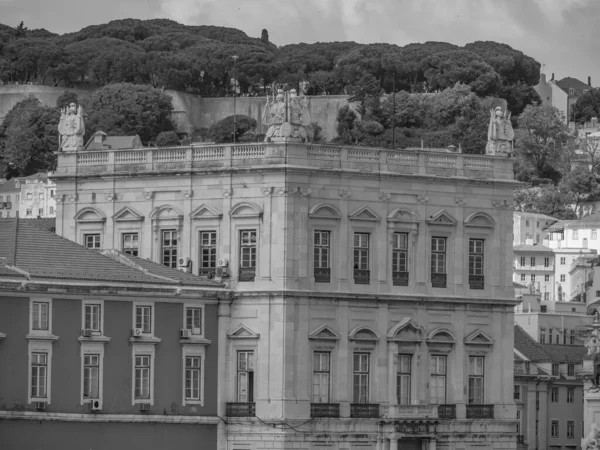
(571, 83)
(528, 347)
(532, 248)
(565, 353)
(43, 254)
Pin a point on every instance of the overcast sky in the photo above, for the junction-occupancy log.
(563, 35)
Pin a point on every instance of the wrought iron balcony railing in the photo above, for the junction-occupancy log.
(447, 411)
(438, 280)
(322, 275)
(362, 276)
(476, 281)
(331, 410)
(480, 411)
(240, 409)
(409, 411)
(400, 278)
(364, 410)
(247, 273)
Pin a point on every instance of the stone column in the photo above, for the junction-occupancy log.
(431, 445)
(392, 394)
(393, 443)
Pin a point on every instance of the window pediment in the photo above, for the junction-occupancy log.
(90, 215)
(442, 217)
(363, 334)
(127, 214)
(479, 219)
(478, 338)
(364, 213)
(405, 331)
(324, 333)
(246, 209)
(205, 211)
(243, 332)
(403, 216)
(324, 211)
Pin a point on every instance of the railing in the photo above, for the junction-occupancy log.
(207, 273)
(520, 439)
(247, 273)
(361, 276)
(540, 267)
(409, 411)
(480, 411)
(476, 281)
(364, 410)
(438, 280)
(322, 274)
(400, 278)
(240, 410)
(447, 411)
(331, 410)
(197, 158)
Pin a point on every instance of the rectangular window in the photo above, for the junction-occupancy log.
(549, 334)
(523, 278)
(527, 223)
(40, 211)
(51, 209)
(554, 429)
(546, 278)
(321, 377)
(52, 193)
(554, 394)
(437, 388)
(169, 248)
(594, 234)
(564, 336)
(91, 376)
(403, 379)
(208, 253)
(142, 377)
(143, 318)
(558, 336)
(438, 262)
(39, 375)
(563, 278)
(361, 378)
(91, 320)
(322, 269)
(517, 392)
(532, 261)
(193, 320)
(572, 337)
(476, 380)
(575, 234)
(92, 241)
(193, 375)
(571, 370)
(39, 313)
(361, 258)
(522, 261)
(28, 212)
(247, 255)
(400, 259)
(131, 244)
(570, 429)
(476, 263)
(570, 395)
(555, 368)
(533, 277)
(245, 376)
(542, 335)
(563, 261)
(41, 196)
(546, 296)
(546, 262)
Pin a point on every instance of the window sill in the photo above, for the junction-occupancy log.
(41, 337)
(102, 339)
(195, 341)
(193, 403)
(145, 340)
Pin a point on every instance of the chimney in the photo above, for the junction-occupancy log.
(552, 79)
(529, 241)
(589, 81)
(542, 78)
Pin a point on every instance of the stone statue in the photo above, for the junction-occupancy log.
(500, 133)
(71, 128)
(590, 442)
(276, 111)
(287, 116)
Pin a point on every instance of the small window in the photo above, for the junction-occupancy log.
(193, 320)
(570, 395)
(554, 394)
(142, 377)
(571, 370)
(131, 244)
(40, 315)
(546, 278)
(91, 376)
(92, 241)
(570, 429)
(533, 277)
(555, 367)
(526, 223)
(193, 377)
(28, 212)
(572, 337)
(517, 392)
(542, 335)
(208, 253)
(554, 429)
(522, 261)
(523, 278)
(92, 317)
(546, 262)
(39, 375)
(532, 261)
(571, 92)
(563, 278)
(563, 261)
(143, 318)
(544, 309)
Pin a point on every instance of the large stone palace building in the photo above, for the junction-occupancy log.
(372, 302)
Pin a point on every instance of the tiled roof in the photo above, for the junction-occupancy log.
(571, 83)
(532, 248)
(44, 255)
(527, 346)
(46, 223)
(565, 353)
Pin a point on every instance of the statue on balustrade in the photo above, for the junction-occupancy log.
(500, 133)
(287, 115)
(591, 441)
(71, 128)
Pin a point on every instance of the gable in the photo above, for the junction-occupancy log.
(441, 217)
(405, 330)
(205, 211)
(479, 219)
(90, 214)
(243, 332)
(440, 335)
(324, 211)
(364, 213)
(324, 333)
(362, 333)
(478, 337)
(127, 214)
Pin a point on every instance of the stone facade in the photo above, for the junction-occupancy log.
(338, 352)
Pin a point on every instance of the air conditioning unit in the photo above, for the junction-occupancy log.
(136, 332)
(86, 332)
(185, 264)
(221, 272)
(185, 333)
(95, 405)
(144, 406)
(40, 406)
(222, 263)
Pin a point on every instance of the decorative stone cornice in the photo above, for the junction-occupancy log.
(124, 418)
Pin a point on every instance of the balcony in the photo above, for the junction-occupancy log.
(476, 281)
(409, 411)
(322, 275)
(331, 410)
(361, 276)
(447, 412)
(364, 410)
(400, 278)
(438, 280)
(204, 158)
(537, 268)
(207, 273)
(240, 410)
(480, 411)
(520, 439)
(247, 273)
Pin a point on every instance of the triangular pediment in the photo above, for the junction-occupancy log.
(479, 219)
(90, 214)
(324, 333)
(362, 333)
(403, 215)
(127, 214)
(364, 213)
(478, 337)
(324, 211)
(405, 330)
(243, 332)
(442, 217)
(205, 211)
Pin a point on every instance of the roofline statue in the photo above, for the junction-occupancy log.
(71, 128)
(500, 133)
